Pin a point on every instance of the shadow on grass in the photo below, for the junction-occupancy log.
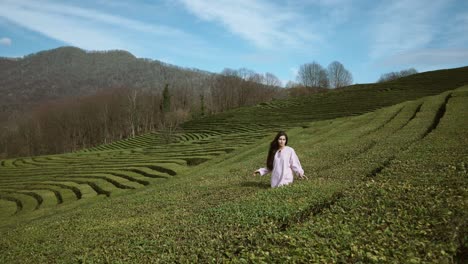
(256, 184)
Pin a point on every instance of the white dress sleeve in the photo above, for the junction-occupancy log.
(263, 171)
(296, 164)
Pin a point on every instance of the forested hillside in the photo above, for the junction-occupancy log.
(69, 71)
(66, 99)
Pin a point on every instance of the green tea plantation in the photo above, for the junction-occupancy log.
(387, 183)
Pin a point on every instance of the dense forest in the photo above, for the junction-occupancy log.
(68, 71)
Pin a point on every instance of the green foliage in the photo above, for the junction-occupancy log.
(202, 105)
(166, 99)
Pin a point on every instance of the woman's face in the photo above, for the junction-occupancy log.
(282, 141)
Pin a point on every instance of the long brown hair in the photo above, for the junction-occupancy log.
(273, 148)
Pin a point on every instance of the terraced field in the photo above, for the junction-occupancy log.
(389, 185)
(27, 184)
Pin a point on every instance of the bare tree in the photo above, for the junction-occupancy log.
(291, 84)
(256, 78)
(229, 72)
(132, 111)
(271, 79)
(408, 72)
(313, 75)
(395, 75)
(338, 75)
(246, 74)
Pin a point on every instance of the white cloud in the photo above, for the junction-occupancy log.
(262, 23)
(86, 28)
(327, 15)
(411, 34)
(5, 41)
(68, 29)
(105, 18)
(294, 72)
(404, 25)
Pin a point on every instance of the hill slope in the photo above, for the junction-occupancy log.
(69, 72)
(388, 185)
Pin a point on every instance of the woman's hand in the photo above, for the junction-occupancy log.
(256, 172)
(303, 177)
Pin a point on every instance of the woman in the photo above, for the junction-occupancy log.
(281, 162)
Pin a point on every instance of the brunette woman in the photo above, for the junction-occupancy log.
(282, 161)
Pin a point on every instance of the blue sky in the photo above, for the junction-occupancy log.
(368, 37)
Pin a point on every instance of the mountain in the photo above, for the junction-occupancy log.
(69, 72)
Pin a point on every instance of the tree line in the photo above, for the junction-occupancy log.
(336, 76)
(74, 123)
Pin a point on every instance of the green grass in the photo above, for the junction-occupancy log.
(388, 185)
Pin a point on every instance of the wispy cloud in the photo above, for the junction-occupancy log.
(404, 25)
(262, 23)
(60, 25)
(410, 34)
(334, 12)
(85, 28)
(5, 41)
(294, 71)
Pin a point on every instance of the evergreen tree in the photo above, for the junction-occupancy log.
(202, 104)
(166, 102)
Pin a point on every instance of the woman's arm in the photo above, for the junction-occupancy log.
(296, 164)
(262, 171)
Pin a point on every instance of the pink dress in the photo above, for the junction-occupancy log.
(285, 162)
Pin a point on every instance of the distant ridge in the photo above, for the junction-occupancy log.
(454, 76)
(70, 71)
